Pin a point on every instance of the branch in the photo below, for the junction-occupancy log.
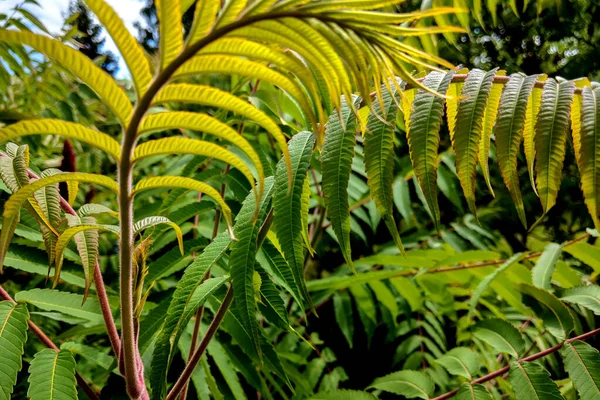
(497, 79)
(195, 358)
(86, 387)
(109, 321)
(532, 357)
(484, 263)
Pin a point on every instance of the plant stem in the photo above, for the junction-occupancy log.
(109, 321)
(532, 357)
(86, 387)
(497, 79)
(484, 263)
(128, 343)
(111, 328)
(195, 358)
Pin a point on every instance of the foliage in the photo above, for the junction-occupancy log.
(250, 162)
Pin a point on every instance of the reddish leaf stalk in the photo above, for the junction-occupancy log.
(532, 357)
(195, 357)
(111, 328)
(86, 387)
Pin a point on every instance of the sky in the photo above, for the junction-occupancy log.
(52, 13)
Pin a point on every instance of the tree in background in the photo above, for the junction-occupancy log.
(89, 37)
(557, 40)
(148, 32)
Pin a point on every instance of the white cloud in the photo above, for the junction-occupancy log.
(52, 13)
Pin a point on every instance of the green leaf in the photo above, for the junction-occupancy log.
(64, 302)
(287, 206)
(343, 394)
(336, 163)
(22, 258)
(583, 365)
(585, 296)
(409, 291)
(243, 258)
(532, 381)
(483, 285)
(52, 376)
(469, 124)
(551, 139)
(342, 307)
(166, 342)
(410, 384)
(89, 353)
(152, 323)
(271, 303)
(272, 261)
(533, 109)
(586, 253)
(509, 132)
(587, 147)
(304, 212)
(551, 310)
(501, 335)
(460, 361)
(13, 335)
(541, 274)
(379, 155)
(221, 359)
(424, 136)
(472, 392)
(48, 199)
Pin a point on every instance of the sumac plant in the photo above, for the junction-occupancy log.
(306, 78)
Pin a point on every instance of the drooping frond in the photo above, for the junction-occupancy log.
(492, 108)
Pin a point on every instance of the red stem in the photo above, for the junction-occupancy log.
(195, 358)
(113, 334)
(532, 357)
(50, 344)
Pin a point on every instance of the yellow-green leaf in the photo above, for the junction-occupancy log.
(209, 96)
(454, 91)
(85, 231)
(170, 30)
(149, 222)
(230, 12)
(131, 51)
(62, 128)
(489, 119)
(203, 123)
(589, 151)
(229, 64)
(533, 108)
(77, 63)
(204, 19)
(171, 182)
(179, 145)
